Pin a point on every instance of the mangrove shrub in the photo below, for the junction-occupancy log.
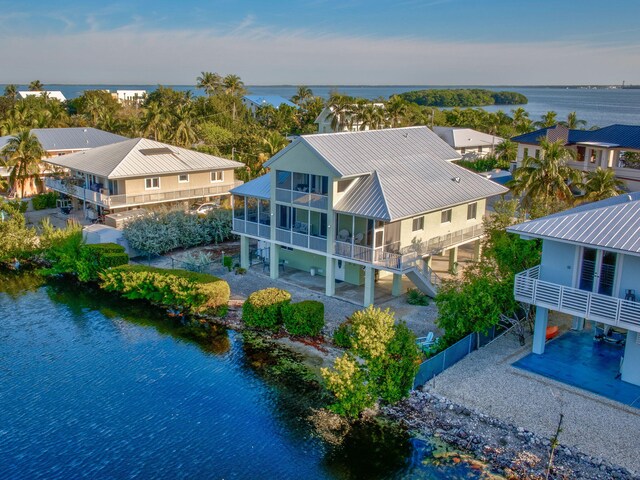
(304, 318)
(264, 308)
(189, 292)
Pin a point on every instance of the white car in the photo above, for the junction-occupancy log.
(202, 208)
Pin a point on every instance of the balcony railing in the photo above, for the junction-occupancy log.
(126, 200)
(592, 306)
(438, 244)
(251, 228)
(302, 199)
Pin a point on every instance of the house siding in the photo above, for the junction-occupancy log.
(558, 263)
(169, 183)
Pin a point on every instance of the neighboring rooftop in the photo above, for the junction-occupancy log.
(404, 171)
(273, 100)
(622, 136)
(259, 188)
(138, 157)
(458, 137)
(613, 224)
(56, 94)
(74, 138)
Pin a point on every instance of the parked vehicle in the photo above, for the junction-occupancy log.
(202, 208)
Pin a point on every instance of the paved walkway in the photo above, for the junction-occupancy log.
(487, 381)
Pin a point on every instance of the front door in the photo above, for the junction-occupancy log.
(340, 270)
(598, 271)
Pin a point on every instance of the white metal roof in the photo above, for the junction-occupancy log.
(139, 157)
(458, 137)
(611, 224)
(56, 94)
(413, 168)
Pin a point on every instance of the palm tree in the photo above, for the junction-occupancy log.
(545, 180)
(396, 110)
(24, 153)
(155, 121)
(507, 150)
(274, 143)
(211, 82)
(36, 86)
(573, 122)
(184, 133)
(549, 119)
(233, 85)
(600, 184)
(303, 95)
(342, 111)
(11, 91)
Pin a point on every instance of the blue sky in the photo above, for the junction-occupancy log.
(323, 41)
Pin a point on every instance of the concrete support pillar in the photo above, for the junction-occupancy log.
(609, 159)
(369, 285)
(477, 250)
(244, 252)
(453, 258)
(630, 371)
(577, 323)
(396, 286)
(587, 158)
(274, 261)
(540, 330)
(330, 280)
(429, 260)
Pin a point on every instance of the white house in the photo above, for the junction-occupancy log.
(351, 121)
(469, 143)
(590, 269)
(55, 94)
(130, 96)
(253, 102)
(347, 205)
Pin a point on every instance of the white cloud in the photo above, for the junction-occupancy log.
(263, 56)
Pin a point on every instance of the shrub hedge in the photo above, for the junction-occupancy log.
(96, 258)
(190, 292)
(44, 200)
(304, 318)
(264, 308)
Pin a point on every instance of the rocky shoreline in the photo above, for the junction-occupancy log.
(518, 453)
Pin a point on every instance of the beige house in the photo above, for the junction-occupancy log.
(140, 172)
(348, 206)
(469, 143)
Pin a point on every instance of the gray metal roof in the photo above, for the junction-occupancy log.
(139, 157)
(4, 140)
(74, 138)
(413, 167)
(259, 188)
(611, 224)
(365, 198)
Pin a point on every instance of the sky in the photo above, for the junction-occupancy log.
(315, 42)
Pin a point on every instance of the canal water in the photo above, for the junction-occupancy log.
(92, 386)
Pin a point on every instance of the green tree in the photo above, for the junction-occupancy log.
(544, 182)
(36, 86)
(600, 184)
(11, 91)
(156, 121)
(507, 151)
(23, 153)
(549, 119)
(396, 110)
(211, 82)
(302, 96)
(573, 122)
(184, 133)
(233, 85)
(348, 383)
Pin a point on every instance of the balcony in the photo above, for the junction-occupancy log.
(436, 245)
(612, 311)
(302, 199)
(251, 228)
(126, 200)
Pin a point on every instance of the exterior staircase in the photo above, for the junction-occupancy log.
(424, 278)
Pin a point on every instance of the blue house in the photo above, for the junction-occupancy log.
(590, 269)
(253, 102)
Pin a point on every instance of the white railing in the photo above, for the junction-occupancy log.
(613, 311)
(318, 243)
(437, 244)
(126, 200)
(251, 228)
(308, 199)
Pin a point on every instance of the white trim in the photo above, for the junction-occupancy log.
(183, 181)
(216, 172)
(152, 187)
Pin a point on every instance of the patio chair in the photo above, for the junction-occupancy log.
(358, 238)
(343, 235)
(425, 342)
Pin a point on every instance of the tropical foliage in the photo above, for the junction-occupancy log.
(304, 318)
(23, 153)
(600, 184)
(265, 308)
(459, 97)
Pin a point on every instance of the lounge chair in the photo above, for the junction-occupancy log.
(426, 342)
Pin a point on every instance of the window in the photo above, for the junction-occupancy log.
(183, 178)
(479, 149)
(445, 216)
(217, 176)
(526, 153)
(472, 211)
(418, 224)
(152, 183)
(537, 154)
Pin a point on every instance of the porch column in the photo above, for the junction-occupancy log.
(587, 158)
(453, 257)
(608, 159)
(369, 285)
(429, 260)
(577, 323)
(540, 330)
(477, 250)
(274, 261)
(330, 280)
(630, 371)
(244, 251)
(396, 286)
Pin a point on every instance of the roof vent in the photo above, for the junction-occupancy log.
(84, 130)
(456, 179)
(156, 151)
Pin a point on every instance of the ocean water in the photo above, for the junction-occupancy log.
(599, 107)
